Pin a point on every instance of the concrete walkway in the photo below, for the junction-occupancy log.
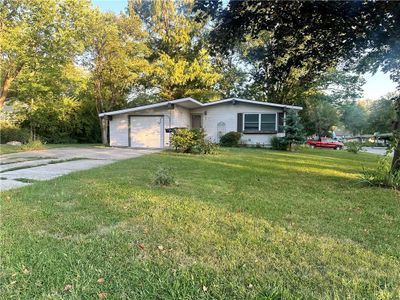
(23, 168)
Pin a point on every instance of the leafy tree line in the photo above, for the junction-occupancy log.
(63, 62)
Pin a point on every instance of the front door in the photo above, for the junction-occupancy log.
(196, 121)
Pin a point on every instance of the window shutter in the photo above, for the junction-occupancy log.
(281, 120)
(239, 122)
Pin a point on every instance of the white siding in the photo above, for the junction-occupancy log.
(227, 113)
(119, 131)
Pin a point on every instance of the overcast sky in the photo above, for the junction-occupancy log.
(376, 86)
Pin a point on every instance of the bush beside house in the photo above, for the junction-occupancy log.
(192, 141)
(230, 139)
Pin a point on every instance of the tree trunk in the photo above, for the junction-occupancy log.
(396, 138)
(4, 89)
(103, 128)
(396, 159)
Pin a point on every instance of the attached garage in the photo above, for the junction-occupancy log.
(146, 131)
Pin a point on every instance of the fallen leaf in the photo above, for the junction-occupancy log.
(141, 246)
(67, 287)
(102, 295)
(204, 288)
(160, 248)
(100, 280)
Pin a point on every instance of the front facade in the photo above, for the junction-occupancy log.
(150, 126)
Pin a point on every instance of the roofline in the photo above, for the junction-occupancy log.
(253, 102)
(155, 105)
(149, 106)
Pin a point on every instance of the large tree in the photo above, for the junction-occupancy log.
(182, 64)
(38, 36)
(117, 60)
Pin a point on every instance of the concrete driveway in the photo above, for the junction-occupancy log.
(23, 168)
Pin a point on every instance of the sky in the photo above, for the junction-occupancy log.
(376, 85)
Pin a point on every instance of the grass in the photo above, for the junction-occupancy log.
(6, 149)
(243, 224)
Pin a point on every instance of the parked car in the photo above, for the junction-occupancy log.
(325, 143)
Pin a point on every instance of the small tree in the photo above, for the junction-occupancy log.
(293, 129)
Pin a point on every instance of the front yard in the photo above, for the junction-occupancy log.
(243, 224)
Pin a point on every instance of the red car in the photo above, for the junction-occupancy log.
(325, 143)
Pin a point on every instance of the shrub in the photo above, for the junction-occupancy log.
(192, 141)
(33, 145)
(230, 139)
(209, 147)
(382, 175)
(10, 132)
(354, 147)
(279, 143)
(164, 176)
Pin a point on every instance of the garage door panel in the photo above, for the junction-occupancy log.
(147, 131)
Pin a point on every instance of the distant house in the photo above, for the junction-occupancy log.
(150, 126)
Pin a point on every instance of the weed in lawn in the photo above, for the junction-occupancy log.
(164, 176)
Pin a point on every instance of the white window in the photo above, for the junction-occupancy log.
(259, 122)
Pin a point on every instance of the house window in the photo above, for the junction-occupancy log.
(259, 122)
(268, 122)
(251, 122)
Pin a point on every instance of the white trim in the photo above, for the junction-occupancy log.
(139, 108)
(252, 102)
(149, 106)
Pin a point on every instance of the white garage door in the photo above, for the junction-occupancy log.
(147, 131)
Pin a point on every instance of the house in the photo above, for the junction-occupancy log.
(150, 126)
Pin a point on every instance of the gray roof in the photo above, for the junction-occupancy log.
(193, 103)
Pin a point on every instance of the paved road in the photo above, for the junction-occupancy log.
(375, 150)
(17, 169)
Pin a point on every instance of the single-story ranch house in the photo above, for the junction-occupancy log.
(150, 126)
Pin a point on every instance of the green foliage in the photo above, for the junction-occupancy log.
(293, 129)
(192, 141)
(279, 143)
(39, 37)
(354, 118)
(230, 139)
(182, 65)
(382, 114)
(321, 116)
(354, 147)
(10, 132)
(33, 145)
(164, 176)
(382, 175)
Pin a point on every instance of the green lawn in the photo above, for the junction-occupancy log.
(243, 224)
(5, 149)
